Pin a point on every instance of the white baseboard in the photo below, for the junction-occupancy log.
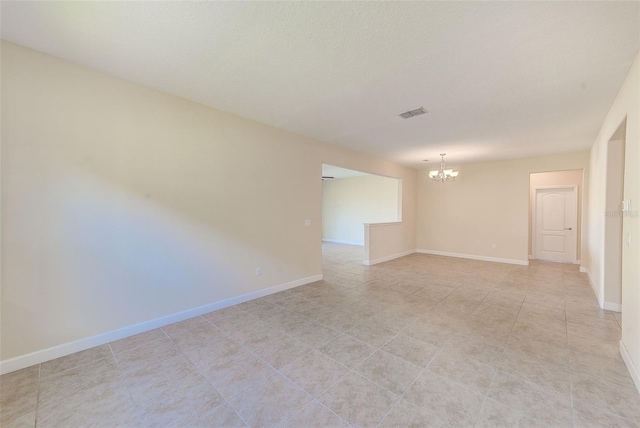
(595, 290)
(387, 258)
(633, 371)
(583, 269)
(336, 241)
(41, 356)
(615, 307)
(531, 257)
(474, 257)
(577, 262)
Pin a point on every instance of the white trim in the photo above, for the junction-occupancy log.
(531, 257)
(577, 262)
(43, 355)
(635, 375)
(595, 290)
(337, 241)
(615, 307)
(387, 258)
(474, 257)
(583, 269)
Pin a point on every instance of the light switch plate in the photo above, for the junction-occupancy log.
(626, 205)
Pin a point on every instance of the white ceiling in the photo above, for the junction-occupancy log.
(499, 79)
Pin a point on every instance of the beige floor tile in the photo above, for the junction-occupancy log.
(389, 371)
(18, 395)
(233, 373)
(184, 327)
(79, 382)
(549, 323)
(347, 350)
(606, 348)
(245, 328)
(289, 321)
(412, 350)
(222, 416)
(371, 334)
(137, 340)
(279, 351)
(147, 382)
(183, 400)
(67, 362)
(359, 401)
(588, 391)
(494, 414)
(452, 402)
(544, 373)
(394, 320)
(221, 314)
(593, 331)
(316, 415)
(475, 347)
(198, 335)
(148, 354)
(254, 304)
(406, 414)
(618, 318)
(444, 326)
(342, 321)
(544, 404)
(106, 401)
(435, 332)
(315, 372)
(315, 335)
(614, 370)
(542, 311)
(270, 402)
(465, 371)
(26, 420)
(546, 300)
(586, 416)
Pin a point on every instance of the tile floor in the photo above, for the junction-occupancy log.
(417, 341)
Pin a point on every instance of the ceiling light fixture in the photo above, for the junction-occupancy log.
(442, 175)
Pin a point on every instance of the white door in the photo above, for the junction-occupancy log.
(556, 222)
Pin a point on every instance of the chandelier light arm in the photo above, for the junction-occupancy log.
(443, 174)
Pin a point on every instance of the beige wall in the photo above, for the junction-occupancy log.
(556, 178)
(348, 203)
(626, 105)
(487, 204)
(122, 204)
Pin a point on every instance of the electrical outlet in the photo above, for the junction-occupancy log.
(258, 271)
(307, 223)
(494, 246)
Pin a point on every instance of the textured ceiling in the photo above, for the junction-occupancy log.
(499, 79)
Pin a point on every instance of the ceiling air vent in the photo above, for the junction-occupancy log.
(412, 113)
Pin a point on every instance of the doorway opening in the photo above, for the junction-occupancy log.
(555, 216)
(351, 199)
(613, 240)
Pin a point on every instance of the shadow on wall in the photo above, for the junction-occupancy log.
(95, 256)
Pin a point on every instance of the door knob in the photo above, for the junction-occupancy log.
(567, 228)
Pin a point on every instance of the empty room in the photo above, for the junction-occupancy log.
(319, 214)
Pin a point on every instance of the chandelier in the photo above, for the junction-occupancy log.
(442, 175)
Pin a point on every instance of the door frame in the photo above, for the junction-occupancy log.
(534, 216)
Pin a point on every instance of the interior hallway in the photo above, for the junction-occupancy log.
(423, 340)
